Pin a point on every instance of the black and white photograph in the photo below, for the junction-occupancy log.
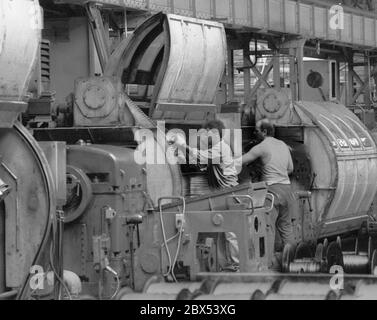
(186, 156)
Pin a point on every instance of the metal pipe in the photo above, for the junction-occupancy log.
(356, 264)
(8, 294)
(98, 31)
(337, 52)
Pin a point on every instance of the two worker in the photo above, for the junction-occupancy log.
(277, 166)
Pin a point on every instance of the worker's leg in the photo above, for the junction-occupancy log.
(233, 246)
(273, 236)
(284, 203)
(284, 225)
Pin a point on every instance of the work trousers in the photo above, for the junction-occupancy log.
(285, 209)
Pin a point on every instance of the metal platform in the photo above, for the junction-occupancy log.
(310, 19)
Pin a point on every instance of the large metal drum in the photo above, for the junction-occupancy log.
(29, 208)
(343, 161)
(182, 59)
(20, 34)
(30, 205)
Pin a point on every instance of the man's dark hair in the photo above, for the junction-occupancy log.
(215, 124)
(265, 124)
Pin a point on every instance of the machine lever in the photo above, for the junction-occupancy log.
(4, 190)
(305, 195)
(236, 197)
(134, 219)
(172, 198)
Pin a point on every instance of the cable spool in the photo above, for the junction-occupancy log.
(334, 255)
(303, 251)
(288, 256)
(199, 185)
(356, 264)
(195, 184)
(359, 262)
(304, 260)
(305, 266)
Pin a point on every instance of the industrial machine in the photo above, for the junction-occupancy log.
(28, 199)
(100, 211)
(121, 225)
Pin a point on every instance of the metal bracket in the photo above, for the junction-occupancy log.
(272, 198)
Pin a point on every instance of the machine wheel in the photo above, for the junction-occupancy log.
(303, 250)
(79, 193)
(373, 263)
(334, 255)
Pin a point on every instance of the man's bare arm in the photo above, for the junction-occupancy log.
(252, 155)
(202, 156)
(290, 165)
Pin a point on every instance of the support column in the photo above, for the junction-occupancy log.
(246, 71)
(100, 32)
(296, 52)
(338, 91)
(230, 75)
(350, 79)
(125, 21)
(367, 71)
(276, 70)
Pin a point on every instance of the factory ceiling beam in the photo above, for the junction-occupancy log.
(262, 77)
(99, 34)
(309, 19)
(296, 55)
(369, 71)
(365, 86)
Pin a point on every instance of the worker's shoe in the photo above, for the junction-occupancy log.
(232, 267)
(277, 262)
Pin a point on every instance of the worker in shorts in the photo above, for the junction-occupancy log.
(277, 165)
(217, 155)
